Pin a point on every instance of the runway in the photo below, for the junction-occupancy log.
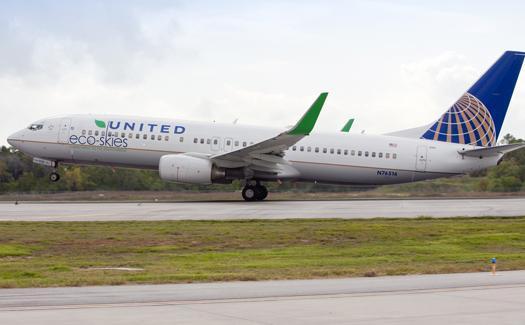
(473, 298)
(351, 209)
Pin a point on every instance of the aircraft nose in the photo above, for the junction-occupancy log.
(12, 138)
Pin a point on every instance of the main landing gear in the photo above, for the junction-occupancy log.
(256, 192)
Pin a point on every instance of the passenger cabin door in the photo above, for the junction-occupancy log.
(63, 132)
(421, 158)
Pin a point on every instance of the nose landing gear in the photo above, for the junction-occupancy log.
(54, 177)
(255, 192)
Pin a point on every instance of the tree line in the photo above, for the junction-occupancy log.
(19, 174)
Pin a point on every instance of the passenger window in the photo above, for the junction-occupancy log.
(359, 153)
(130, 135)
(228, 142)
(103, 133)
(215, 141)
(137, 136)
(153, 137)
(366, 153)
(159, 137)
(352, 152)
(387, 155)
(109, 134)
(244, 143)
(346, 152)
(324, 150)
(316, 149)
(195, 140)
(380, 155)
(96, 133)
(236, 143)
(309, 149)
(166, 138)
(301, 148)
(90, 132)
(208, 141)
(332, 150)
(83, 132)
(123, 135)
(373, 154)
(394, 156)
(338, 151)
(181, 139)
(202, 140)
(294, 148)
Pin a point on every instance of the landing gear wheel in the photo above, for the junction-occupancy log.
(54, 177)
(262, 192)
(249, 193)
(254, 192)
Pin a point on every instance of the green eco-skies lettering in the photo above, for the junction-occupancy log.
(100, 124)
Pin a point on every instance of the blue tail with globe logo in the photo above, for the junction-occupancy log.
(476, 118)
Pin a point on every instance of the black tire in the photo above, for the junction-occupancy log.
(54, 177)
(262, 192)
(249, 193)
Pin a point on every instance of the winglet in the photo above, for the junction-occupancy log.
(307, 122)
(348, 125)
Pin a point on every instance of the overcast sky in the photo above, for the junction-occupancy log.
(390, 65)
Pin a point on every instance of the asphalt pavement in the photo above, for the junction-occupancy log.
(353, 209)
(469, 298)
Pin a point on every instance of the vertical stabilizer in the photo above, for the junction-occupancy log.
(476, 118)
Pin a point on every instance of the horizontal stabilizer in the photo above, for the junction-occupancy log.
(492, 151)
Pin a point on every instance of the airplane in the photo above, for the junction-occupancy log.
(462, 140)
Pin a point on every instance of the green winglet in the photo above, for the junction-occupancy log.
(307, 122)
(348, 125)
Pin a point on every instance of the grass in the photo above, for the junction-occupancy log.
(63, 253)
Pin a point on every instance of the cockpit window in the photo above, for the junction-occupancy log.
(35, 127)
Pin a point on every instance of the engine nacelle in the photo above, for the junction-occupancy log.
(182, 168)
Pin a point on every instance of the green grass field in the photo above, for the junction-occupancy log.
(64, 253)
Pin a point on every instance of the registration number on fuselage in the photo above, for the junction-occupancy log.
(386, 173)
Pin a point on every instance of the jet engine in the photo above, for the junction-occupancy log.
(182, 168)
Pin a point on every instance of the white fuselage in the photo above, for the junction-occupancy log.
(338, 158)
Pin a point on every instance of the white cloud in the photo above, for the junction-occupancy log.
(263, 62)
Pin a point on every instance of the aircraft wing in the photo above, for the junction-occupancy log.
(267, 155)
(492, 151)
